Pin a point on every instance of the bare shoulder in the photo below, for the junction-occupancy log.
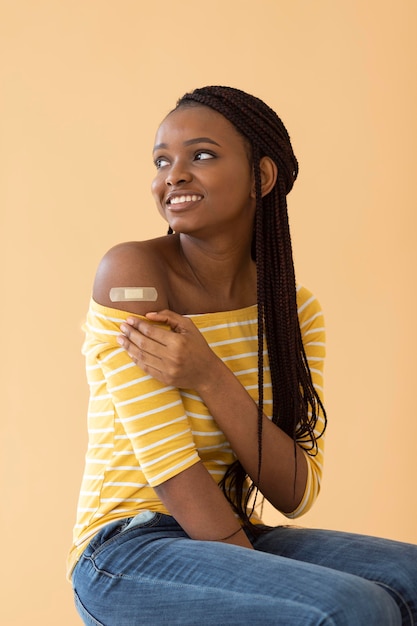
(134, 264)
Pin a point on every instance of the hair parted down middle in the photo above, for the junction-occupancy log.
(296, 404)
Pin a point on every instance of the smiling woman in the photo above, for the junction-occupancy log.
(210, 395)
(203, 174)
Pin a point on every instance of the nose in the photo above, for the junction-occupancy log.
(177, 174)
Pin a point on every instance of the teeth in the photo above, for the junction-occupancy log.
(188, 198)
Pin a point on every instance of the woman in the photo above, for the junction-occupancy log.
(193, 419)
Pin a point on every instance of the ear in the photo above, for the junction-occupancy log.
(269, 173)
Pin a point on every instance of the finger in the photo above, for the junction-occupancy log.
(134, 322)
(174, 320)
(140, 355)
(136, 329)
(136, 343)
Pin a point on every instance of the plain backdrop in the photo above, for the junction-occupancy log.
(83, 86)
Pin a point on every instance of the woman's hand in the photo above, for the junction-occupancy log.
(180, 356)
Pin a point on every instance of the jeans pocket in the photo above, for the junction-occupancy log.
(113, 532)
(144, 518)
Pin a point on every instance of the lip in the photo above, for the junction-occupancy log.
(178, 201)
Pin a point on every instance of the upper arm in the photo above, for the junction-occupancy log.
(147, 418)
(131, 264)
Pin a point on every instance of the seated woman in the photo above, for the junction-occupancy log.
(205, 363)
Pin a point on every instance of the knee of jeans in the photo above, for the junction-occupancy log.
(87, 618)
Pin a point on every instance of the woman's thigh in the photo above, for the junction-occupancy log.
(154, 574)
(391, 564)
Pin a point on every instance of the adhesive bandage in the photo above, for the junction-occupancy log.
(133, 294)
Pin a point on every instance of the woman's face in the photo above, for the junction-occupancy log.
(204, 180)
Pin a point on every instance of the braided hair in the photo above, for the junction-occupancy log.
(296, 404)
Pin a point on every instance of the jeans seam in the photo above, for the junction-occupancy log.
(81, 606)
(398, 594)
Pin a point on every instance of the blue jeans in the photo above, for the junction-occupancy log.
(147, 571)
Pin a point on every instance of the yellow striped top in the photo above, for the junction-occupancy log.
(142, 432)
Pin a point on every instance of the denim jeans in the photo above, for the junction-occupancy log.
(147, 571)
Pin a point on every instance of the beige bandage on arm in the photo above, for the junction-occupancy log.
(133, 294)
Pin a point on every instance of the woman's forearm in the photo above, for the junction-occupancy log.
(282, 479)
(200, 507)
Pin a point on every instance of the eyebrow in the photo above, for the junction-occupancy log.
(189, 142)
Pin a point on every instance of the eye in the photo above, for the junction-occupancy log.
(202, 155)
(160, 162)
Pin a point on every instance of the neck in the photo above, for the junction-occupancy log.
(223, 269)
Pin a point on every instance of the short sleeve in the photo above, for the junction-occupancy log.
(313, 333)
(152, 414)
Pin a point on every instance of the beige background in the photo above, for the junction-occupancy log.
(83, 86)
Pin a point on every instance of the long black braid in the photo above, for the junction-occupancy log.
(296, 404)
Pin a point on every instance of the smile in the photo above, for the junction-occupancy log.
(185, 198)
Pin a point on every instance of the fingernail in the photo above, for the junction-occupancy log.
(120, 340)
